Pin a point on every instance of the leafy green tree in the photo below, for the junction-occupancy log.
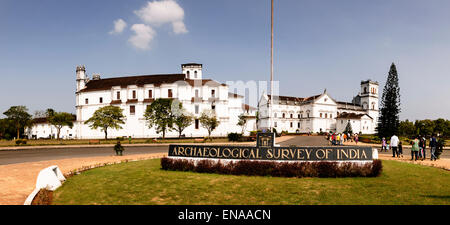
(181, 118)
(424, 127)
(442, 127)
(406, 128)
(49, 112)
(242, 122)
(390, 106)
(59, 120)
(20, 117)
(159, 115)
(7, 129)
(105, 118)
(209, 121)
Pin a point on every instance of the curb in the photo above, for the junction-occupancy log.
(112, 145)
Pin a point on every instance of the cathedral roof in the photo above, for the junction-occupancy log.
(295, 99)
(349, 105)
(157, 80)
(351, 116)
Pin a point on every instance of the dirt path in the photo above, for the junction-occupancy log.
(440, 163)
(17, 181)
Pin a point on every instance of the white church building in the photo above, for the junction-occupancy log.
(322, 113)
(133, 94)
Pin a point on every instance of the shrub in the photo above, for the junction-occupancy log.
(43, 197)
(276, 169)
(21, 141)
(327, 169)
(377, 168)
(234, 137)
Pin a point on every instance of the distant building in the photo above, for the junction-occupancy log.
(322, 113)
(134, 94)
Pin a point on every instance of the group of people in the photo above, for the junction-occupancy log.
(340, 138)
(418, 147)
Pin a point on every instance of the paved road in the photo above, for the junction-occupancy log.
(305, 141)
(34, 155)
(321, 141)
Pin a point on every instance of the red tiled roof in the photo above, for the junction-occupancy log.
(295, 99)
(105, 84)
(157, 80)
(204, 82)
(351, 116)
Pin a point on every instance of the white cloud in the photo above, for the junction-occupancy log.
(158, 13)
(179, 27)
(119, 26)
(143, 36)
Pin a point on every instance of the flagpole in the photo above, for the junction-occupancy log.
(271, 69)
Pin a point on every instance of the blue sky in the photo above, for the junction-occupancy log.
(318, 44)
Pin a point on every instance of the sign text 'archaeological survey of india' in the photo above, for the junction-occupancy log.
(269, 152)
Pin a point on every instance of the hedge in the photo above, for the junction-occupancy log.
(276, 169)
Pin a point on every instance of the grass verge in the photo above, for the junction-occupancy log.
(144, 182)
(49, 142)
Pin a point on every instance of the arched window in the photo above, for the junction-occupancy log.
(188, 74)
(195, 74)
(284, 115)
(365, 90)
(365, 105)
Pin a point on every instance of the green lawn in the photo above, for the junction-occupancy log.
(45, 142)
(143, 182)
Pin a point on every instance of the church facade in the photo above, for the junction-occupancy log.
(322, 113)
(133, 94)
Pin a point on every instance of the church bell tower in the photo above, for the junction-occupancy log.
(369, 98)
(192, 71)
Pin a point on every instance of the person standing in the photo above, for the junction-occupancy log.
(414, 148)
(433, 145)
(356, 138)
(400, 149)
(394, 145)
(424, 145)
(383, 144)
(338, 139)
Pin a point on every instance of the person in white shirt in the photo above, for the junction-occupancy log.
(394, 145)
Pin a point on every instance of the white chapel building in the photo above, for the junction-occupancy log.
(322, 113)
(134, 94)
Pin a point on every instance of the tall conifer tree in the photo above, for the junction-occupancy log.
(390, 106)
